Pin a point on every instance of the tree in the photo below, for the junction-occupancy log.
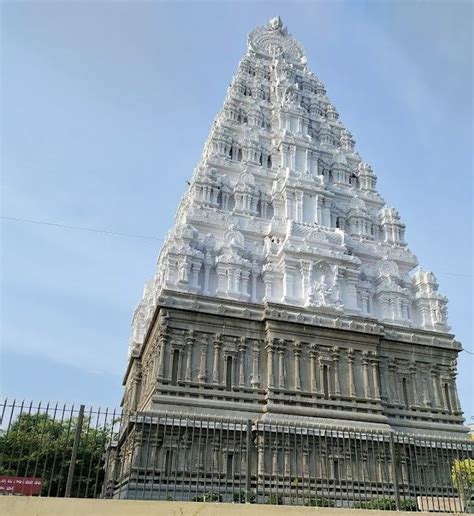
(462, 475)
(37, 445)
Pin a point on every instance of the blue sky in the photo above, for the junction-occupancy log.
(105, 109)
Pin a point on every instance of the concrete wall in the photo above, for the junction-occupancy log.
(30, 506)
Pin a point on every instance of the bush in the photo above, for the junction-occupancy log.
(382, 504)
(243, 497)
(387, 504)
(319, 502)
(208, 497)
(408, 504)
(274, 500)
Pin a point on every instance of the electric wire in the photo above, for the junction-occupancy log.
(81, 228)
(133, 235)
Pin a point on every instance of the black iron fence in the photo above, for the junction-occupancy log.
(76, 451)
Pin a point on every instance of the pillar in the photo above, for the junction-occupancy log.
(288, 206)
(350, 362)
(242, 349)
(313, 356)
(189, 356)
(286, 460)
(297, 353)
(375, 376)
(215, 365)
(335, 367)
(275, 458)
(281, 365)
(305, 268)
(270, 371)
(453, 390)
(305, 462)
(365, 368)
(260, 457)
(195, 268)
(299, 206)
(255, 271)
(414, 387)
(255, 382)
(288, 283)
(245, 275)
(207, 268)
(321, 375)
(435, 387)
(393, 388)
(426, 399)
(308, 161)
(161, 358)
(202, 360)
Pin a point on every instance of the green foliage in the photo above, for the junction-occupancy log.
(244, 497)
(462, 475)
(274, 499)
(408, 504)
(319, 502)
(208, 497)
(387, 504)
(36, 445)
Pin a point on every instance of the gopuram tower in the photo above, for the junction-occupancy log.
(285, 291)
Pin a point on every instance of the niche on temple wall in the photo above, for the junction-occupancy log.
(270, 211)
(343, 370)
(231, 203)
(212, 280)
(289, 366)
(358, 374)
(201, 279)
(260, 288)
(309, 208)
(298, 284)
(277, 286)
(292, 123)
(375, 307)
(300, 160)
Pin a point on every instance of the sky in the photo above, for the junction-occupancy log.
(105, 108)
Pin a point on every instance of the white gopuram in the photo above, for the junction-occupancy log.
(285, 289)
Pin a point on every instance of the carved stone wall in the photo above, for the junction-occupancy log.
(235, 358)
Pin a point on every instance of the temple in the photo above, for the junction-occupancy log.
(286, 290)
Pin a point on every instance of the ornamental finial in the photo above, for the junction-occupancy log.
(275, 24)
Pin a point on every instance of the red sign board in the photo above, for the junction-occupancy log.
(20, 485)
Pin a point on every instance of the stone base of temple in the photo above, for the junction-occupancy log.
(275, 363)
(227, 400)
(191, 457)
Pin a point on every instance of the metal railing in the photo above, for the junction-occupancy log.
(54, 449)
(73, 451)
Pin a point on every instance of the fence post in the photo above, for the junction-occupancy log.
(75, 446)
(394, 473)
(248, 479)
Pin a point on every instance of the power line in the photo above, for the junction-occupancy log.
(81, 228)
(133, 235)
(456, 274)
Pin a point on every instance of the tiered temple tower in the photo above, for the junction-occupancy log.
(285, 289)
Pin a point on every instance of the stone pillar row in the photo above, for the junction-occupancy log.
(417, 385)
(277, 353)
(433, 386)
(277, 456)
